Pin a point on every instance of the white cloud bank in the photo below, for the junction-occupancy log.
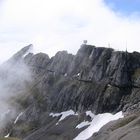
(63, 25)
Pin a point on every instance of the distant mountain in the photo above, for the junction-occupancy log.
(63, 97)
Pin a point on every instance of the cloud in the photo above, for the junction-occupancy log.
(15, 78)
(63, 25)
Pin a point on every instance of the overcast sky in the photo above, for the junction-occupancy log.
(53, 25)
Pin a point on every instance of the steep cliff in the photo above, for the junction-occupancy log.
(96, 78)
(90, 80)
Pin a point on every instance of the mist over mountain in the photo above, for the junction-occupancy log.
(93, 95)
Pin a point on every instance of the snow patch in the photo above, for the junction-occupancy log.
(97, 122)
(83, 124)
(78, 74)
(7, 135)
(55, 114)
(64, 114)
(17, 118)
(89, 113)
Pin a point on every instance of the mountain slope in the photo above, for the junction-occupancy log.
(96, 78)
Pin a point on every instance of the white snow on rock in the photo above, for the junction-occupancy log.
(83, 124)
(17, 117)
(55, 114)
(64, 114)
(78, 74)
(89, 113)
(7, 135)
(97, 122)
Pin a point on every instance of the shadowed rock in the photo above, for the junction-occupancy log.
(96, 78)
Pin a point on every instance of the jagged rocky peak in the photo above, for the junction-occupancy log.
(21, 54)
(16, 62)
(98, 79)
(39, 59)
(24, 51)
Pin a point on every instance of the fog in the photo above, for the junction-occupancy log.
(15, 77)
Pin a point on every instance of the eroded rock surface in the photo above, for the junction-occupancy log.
(97, 79)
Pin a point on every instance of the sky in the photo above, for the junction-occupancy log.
(52, 25)
(124, 6)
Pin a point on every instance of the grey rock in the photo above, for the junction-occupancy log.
(97, 79)
(127, 128)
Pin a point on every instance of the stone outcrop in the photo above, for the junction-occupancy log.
(90, 80)
(96, 78)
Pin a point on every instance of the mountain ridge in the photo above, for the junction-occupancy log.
(97, 79)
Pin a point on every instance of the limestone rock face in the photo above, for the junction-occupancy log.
(91, 79)
(96, 78)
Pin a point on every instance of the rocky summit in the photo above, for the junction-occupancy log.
(64, 97)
